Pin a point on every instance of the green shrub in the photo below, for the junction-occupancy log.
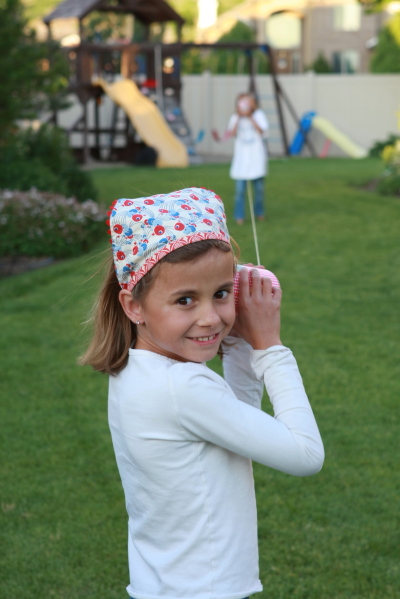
(47, 143)
(386, 55)
(43, 159)
(24, 174)
(320, 65)
(389, 184)
(193, 61)
(78, 183)
(38, 224)
(377, 149)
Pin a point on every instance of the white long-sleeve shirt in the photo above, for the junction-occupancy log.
(249, 155)
(184, 439)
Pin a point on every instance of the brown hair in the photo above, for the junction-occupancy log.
(113, 332)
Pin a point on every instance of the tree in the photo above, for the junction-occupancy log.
(188, 10)
(320, 65)
(225, 5)
(100, 27)
(374, 5)
(240, 32)
(386, 57)
(234, 61)
(34, 75)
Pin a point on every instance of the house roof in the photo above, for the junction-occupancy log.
(147, 11)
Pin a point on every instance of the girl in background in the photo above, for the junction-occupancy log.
(249, 126)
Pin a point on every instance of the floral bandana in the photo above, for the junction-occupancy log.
(144, 230)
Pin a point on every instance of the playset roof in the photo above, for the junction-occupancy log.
(147, 11)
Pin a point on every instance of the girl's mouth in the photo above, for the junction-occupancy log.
(205, 340)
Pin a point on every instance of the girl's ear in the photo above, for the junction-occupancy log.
(130, 306)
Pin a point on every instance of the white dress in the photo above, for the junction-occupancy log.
(184, 439)
(249, 155)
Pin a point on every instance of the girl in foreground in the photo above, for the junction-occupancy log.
(183, 436)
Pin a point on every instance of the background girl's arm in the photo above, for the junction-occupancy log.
(231, 129)
(260, 122)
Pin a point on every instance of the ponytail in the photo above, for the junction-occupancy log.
(113, 333)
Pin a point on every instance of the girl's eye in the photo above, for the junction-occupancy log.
(185, 301)
(222, 294)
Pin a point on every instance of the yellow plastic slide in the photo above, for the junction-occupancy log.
(148, 122)
(338, 138)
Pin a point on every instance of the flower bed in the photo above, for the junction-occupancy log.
(389, 182)
(36, 223)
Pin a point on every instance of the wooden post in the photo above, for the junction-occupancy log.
(86, 149)
(113, 130)
(252, 84)
(277, 91)
(97, 126)
(158, 66)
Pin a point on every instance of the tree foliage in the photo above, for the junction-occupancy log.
(39, 8)
(320, 65)
(225, 5)
(189, 11)
(34, 75)
(386, 57)
(226, 62)
(100, 27)
(235, 61)
(374, 5)
(186, 9)
(42, 158)
(240, 32)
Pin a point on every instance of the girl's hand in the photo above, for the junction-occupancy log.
(258, 318)
(244, 106)
(242, 112)
(251, 265)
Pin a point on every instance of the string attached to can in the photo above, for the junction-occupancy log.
(253, 220)
(263, 272)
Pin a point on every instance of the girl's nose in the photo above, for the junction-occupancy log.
(208, 316)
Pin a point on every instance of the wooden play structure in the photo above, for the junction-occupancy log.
(154, 89)
(143, 80)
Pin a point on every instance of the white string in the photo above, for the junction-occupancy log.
(253, 220)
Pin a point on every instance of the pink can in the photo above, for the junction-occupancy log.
(263, 273)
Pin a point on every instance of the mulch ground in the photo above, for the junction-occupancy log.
(14, 265)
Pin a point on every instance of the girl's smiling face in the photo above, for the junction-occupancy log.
(189, 308)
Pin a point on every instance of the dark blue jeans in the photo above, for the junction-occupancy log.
(240, 193)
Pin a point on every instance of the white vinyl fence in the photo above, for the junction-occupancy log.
(363, 107)
(366, 108)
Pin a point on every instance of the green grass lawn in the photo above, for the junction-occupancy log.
(335, 249)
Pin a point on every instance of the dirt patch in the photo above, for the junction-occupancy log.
(386, 187)
(371, 185)
(14, 265)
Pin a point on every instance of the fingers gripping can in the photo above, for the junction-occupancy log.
(263, 273)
